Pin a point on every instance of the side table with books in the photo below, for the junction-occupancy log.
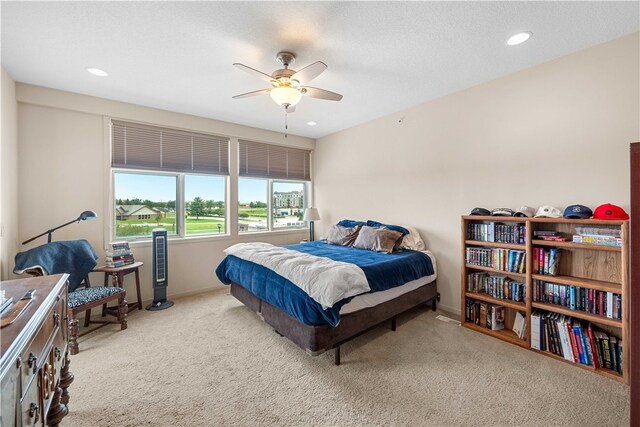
(117, 279)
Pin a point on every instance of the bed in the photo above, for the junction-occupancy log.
(396, 282)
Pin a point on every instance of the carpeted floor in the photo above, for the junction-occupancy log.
(211, 361)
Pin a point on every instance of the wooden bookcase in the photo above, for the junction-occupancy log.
(603, 268)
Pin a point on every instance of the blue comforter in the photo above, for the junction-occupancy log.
(383, 271)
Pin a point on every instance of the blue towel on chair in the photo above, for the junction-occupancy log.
(75, 257)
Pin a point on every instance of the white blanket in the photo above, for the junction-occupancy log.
(323, 279)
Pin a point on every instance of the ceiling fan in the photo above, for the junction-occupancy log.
(288, 86)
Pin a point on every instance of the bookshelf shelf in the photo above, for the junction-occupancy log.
(598, 267)
(538, 242)
(507, 303)
(602, 371)
(593, 318)
(496, 245)
(599, 285)
(493, 270)
(504, 334)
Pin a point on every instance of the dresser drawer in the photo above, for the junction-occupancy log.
(34, 354)
(31, 406)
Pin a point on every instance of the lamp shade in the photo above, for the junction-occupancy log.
(311, 214)
(87, 215)
(285, 95)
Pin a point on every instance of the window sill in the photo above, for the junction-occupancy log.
(177, 240)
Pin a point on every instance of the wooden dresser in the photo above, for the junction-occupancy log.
(34, 361)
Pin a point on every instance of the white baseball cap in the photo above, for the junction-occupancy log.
(548, 212)
(527, 211)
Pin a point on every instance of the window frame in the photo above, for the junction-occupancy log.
(270, 217)
(181, 205)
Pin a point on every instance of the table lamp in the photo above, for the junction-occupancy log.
(311, 214)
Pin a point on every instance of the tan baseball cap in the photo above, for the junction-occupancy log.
(548, 212)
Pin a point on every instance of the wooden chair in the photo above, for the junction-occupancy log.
(83, 299)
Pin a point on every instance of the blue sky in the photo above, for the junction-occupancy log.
(163, 188)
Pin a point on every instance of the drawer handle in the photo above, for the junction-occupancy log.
(33, 362)
(56, 318)
(34, 411)
(57, 353)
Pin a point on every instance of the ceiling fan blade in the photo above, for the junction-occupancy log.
(290, 109)
(254, 72)
(314, 92)
(254, 93)
(309, 72)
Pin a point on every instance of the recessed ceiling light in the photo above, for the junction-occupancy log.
(311, 123)
(519, 38)
(97, 72)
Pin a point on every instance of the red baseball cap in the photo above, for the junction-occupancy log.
(609, 211)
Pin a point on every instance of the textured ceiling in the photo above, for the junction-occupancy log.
(382, 56)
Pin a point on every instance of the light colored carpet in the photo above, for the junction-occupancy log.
(211, 361)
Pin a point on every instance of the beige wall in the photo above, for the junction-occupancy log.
(555, 134)
(8, 176)
(64, 170)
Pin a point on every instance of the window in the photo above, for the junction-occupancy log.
(144, 202)
(205, 203)
(253, 205)
(168, 178)
(288, 201)
(266, 201)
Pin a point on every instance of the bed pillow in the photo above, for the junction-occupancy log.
(402, 230)
(343, 236)
(413, 241)
(379, 239)
(350, 223)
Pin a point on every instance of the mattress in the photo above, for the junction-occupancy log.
(375, 298)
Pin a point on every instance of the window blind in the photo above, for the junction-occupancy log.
(260, 160)
(136, 146)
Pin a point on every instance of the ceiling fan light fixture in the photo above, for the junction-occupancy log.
(285, 95)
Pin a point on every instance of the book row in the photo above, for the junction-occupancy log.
(598, 240)
(487, 315)
(592, 301)
(576, 341)
(500, 259)
(599, 231)
(546, 261)
(495, 232)
(500, 287)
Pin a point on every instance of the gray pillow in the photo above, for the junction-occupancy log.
(379, 239)
(343, 236)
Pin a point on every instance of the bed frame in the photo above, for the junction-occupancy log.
(318, 339)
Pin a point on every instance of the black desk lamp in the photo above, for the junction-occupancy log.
(83, 217)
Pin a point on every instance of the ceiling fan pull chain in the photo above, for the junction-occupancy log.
(286, 124)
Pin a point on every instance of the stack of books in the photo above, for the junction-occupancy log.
(119, 254)
(554, 236)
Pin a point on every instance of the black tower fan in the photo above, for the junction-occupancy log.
(160, 271)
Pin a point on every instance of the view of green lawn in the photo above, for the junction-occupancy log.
(143, 227)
